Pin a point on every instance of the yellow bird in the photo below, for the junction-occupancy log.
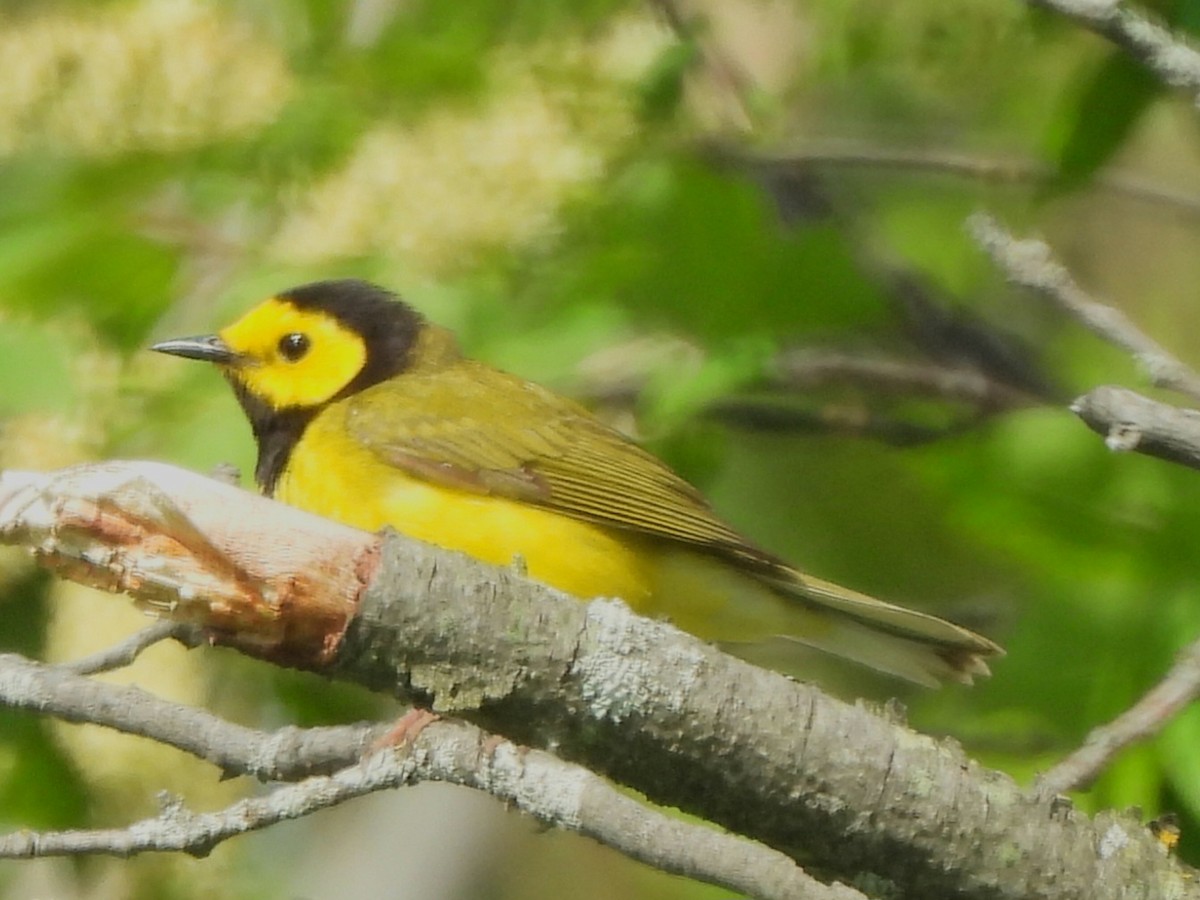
(365, 413)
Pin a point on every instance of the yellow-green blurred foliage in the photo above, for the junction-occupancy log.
(559, 182)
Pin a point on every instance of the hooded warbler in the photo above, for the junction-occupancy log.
(365, 413)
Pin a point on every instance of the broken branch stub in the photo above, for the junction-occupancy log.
(269, 579)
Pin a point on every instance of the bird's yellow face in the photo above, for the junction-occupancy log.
(290, 357)
(305, 350)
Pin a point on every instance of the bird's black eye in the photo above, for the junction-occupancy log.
(293, 346)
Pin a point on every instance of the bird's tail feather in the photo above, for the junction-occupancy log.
(892, 639)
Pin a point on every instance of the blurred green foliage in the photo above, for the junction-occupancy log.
(542, 178)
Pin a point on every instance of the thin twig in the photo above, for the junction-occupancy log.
(806, 368)
(858, 421)
(803, 369)
(1144, 719)
(854, 155)
(1174, 61)
(120, 655)
(288, 754)
(1129, 422)
(1031, 264)
(178, 829)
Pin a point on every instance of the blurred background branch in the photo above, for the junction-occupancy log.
(1129, 422)
(1030, 264)
(1169, 56)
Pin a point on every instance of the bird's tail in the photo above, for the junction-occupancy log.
(903, 642)
(736, 607)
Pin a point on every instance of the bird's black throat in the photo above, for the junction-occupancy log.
(276, 432)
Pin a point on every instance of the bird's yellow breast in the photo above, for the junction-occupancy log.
(332, 474)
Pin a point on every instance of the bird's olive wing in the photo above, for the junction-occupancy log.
(473, 428)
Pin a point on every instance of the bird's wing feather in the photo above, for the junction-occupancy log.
(474, 428)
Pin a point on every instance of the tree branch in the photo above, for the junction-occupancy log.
(1130, 422)
(1031, 264)
(124, 653)
(856, 420)
(806, 368)
(846, 790)
(1175, 62)
(935, 161)
(288, 754)
(729, 83)
(178, 829)
(555, 792)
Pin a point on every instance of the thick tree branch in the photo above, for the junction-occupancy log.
(1031, 264)
(845, 790)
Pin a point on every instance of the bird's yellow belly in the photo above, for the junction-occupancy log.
(337, 478)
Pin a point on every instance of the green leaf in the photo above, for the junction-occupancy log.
(40, 787)
(1111, 104)
(662, 86)
(1133, 779)
(26, 348)
(1176, 749)
(1186, 16)
(72, 242)
(677, 242)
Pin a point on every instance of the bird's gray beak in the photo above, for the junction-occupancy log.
(208, 347)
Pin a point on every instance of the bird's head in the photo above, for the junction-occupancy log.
(311, 345)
